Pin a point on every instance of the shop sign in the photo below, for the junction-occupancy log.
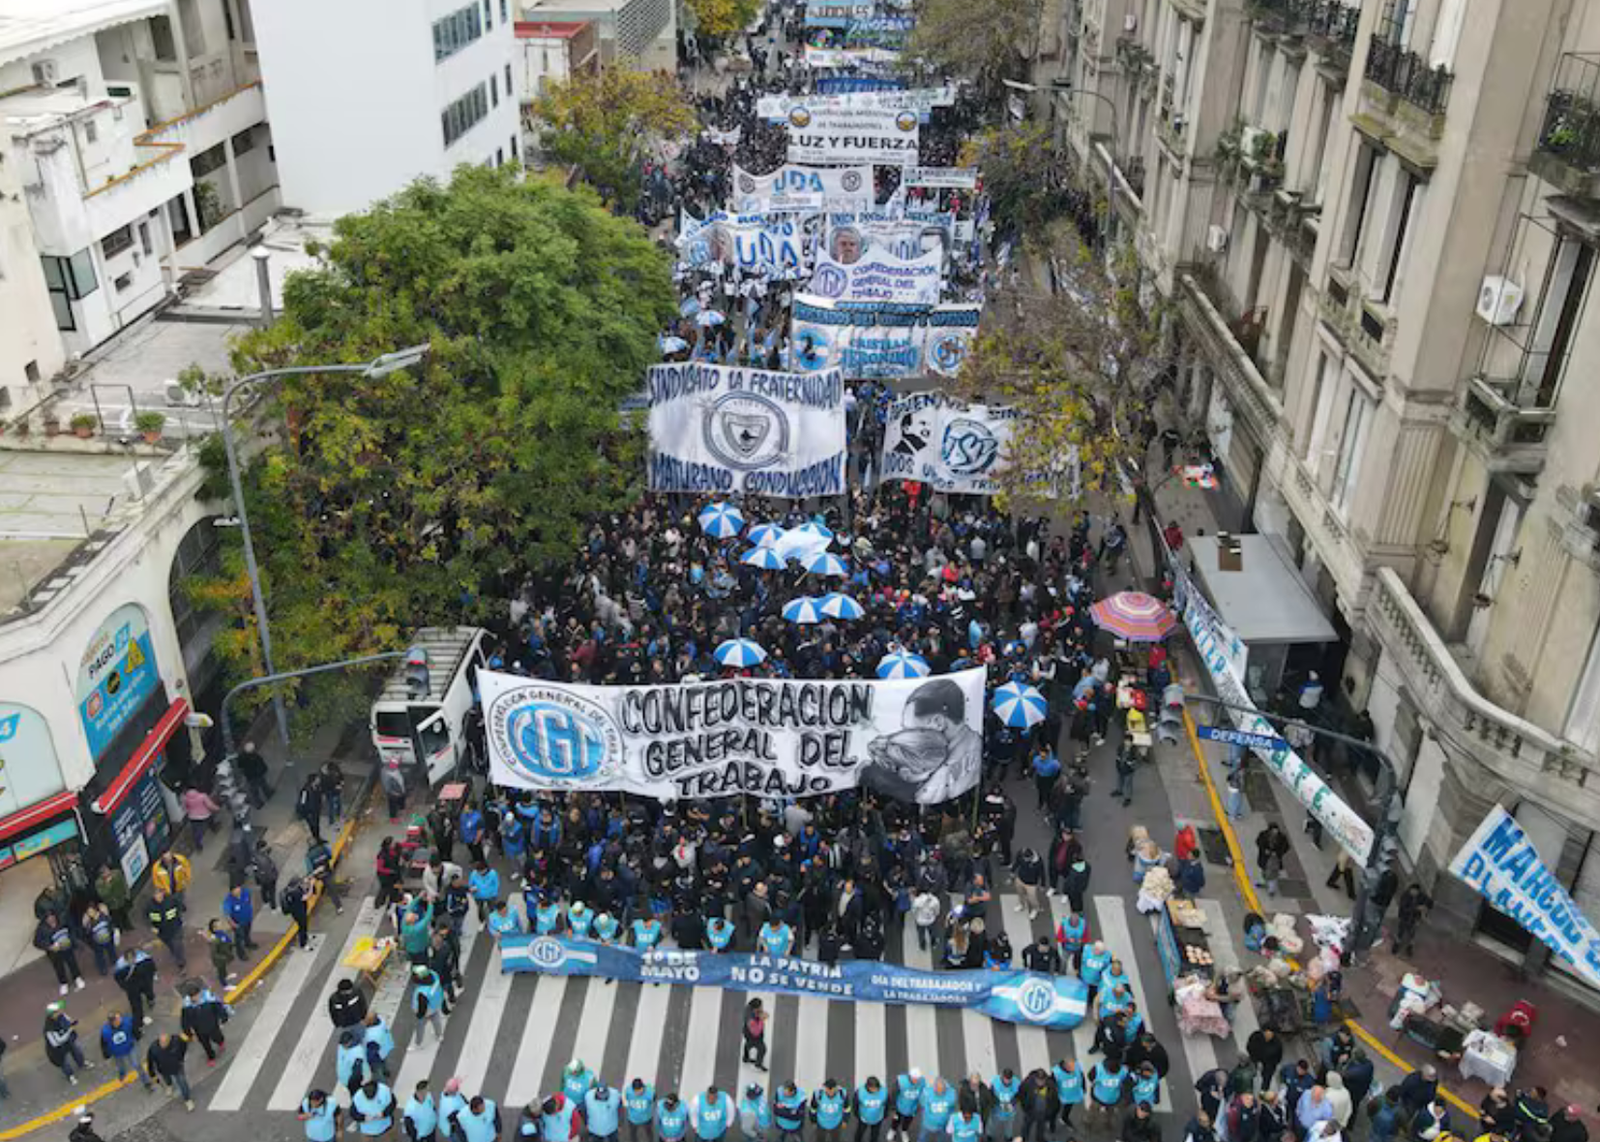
(139, 827)
(30, 771)
(115, 676)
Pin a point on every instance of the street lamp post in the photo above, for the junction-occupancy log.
(377, 367)
(1111, 151)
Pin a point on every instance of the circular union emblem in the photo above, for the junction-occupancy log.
(799, 116)
(1036, 999)
(811, 349)
(746, 431)
(850, 181)
(906, 121)
(946, 351)
(830, 281)
(747, 184)
(554, 737)
(968, 447)
(547, 953)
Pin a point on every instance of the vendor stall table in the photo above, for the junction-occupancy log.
(1488, 1057)
(1181, 943)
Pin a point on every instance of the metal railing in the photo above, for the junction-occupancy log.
(1571, 128)
(1403, 73)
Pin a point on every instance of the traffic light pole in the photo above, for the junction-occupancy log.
(1363, 921)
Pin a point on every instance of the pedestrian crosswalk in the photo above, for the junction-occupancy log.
(509, 1036)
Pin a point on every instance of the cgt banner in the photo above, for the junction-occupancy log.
(804, 189)
(1499, 860)
(956, 447)
(880, 277)
(835, 135)
(917, 739)
(725, 429)
(881, 340)
(1057, 1003)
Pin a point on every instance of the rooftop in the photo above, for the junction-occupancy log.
(230, 288)
(584, 7)
(28, 27)
(36, 108)
(549, 29)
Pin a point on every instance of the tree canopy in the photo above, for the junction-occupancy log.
(984, 42)
(395, 501)
(602, 125)
(1027, 174)
(721, 18)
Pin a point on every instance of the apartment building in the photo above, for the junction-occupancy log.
(1375, 222)
(368, 95)
(134, 148)
(641, 34)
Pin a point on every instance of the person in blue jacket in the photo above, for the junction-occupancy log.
(576, 1081)
(321, 1116)
(775, 938)
(938, 1104)
(828, 1106)
(373, 1107)
(560, 1118)
(872, 1104)
(480, 1121)
(602, 1111)
(118, 1043)
(1069, 1087)
(606, 927)
(378, 1041)
(420, 1119)
(1002, 1122)
(719, 933)
(1145, 1085)
(646, 931)
(712, 1113)
(672, 1118)
(755, 1114)
(908, 1090)
(640, 1099)
(241, 913)
(470, 830)
(350, 1060)
(483, 883)
(504, 920)
(580, 917)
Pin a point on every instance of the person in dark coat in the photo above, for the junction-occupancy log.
(1148, 1049)
(1419, 1088)
(1358, 1074)
(1040, 1105)
(347, 1007)
(1566, 1125)
(135, 973)
(1265, 1049)
(202, 1019)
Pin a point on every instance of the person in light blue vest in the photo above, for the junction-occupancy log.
(547, 917)
(1116, 976)
(560, 1113)
(1106, 1083)
(420, 1119)
(828, 1107)
(966, 1125)
(908, 1090)
(712, 1114)
(640, 1099)
(504, 921)
(789, 1112)
(602, 1111)
(483, 883)
(872, 1105)
(775, 938)
(938, 1104)
(1072, 933)
(427, 1002)
(606, 927)
(373, 1107)
(755, 1114)
(576, 1081)
(321, 1116)
(580, 918)
(378, 1042)
(530, 1127)
(1092, 966)
(646, 932)
(719, 933)
(1002, 1122)
(350, 1060)
(672, 1118)
(480, 1121)
(1069, 1087)
(1113, 1000)
(1146, 1085)
(451, 1103)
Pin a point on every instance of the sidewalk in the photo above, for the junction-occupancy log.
(1465, 971)
(37, 1087)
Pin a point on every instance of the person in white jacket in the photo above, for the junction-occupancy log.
(926, 908)
(1343, 1104)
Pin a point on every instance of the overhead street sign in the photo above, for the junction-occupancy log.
(1240, 737)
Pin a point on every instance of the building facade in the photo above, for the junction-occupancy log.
(640, 34)
(553, 51)
(1375, 224)
(366, 96)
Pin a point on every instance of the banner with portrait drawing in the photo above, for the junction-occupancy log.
(915, 739)
(869, 340)
(774, 244)
(952, 445)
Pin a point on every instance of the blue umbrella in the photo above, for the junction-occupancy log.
(823, 563)
(739, 652)
(688, 307)
(903, 664)
(805, 610)
(1019, 705)
(721, 521)
(765, 534)
(764, 558)
(673, 344)
(812, 527)
(841, 606)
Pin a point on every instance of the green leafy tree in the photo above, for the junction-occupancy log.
(602, 126)
(719, 19)
(986, 42)
(1027, 174)
(409, 499)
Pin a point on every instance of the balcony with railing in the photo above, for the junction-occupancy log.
(1329, 25)
(1403, 98)
(1567, 154)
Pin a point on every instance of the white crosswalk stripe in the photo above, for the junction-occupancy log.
(1033, 1049)
(1112, 913)
(420, 1058)
(274, 1014)
(534, 1052)
(487, 1012)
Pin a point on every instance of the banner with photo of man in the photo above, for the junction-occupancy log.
(756, 243)
(851, 235)
(880, 277)
(917, 739)
(876, 341)
(954, 446)
(803, 189)
(727, 429)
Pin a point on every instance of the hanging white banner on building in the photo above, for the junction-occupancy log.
(880, 277)
(756, 243)
(726, 429)
(1500, 861)
(804, 189)
(952, 445)
(916, 739)
(776, 108)
(1218, 646)
(879, 341)
(851, 134)
(957, 178)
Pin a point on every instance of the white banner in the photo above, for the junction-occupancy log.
(878, 341)
(920, 739)
(726, 429)
(958, 178)
(776, 108)
(756, 243)
(805, 189)
(1501, 863)
(879, 277)
(955, 447)
(851, 134)
(888, 232)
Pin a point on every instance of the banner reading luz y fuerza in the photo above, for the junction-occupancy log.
(917, 739)
(1500, 861)
(723, 428)
(1056, 1002)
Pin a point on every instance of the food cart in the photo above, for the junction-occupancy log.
(1181, 944)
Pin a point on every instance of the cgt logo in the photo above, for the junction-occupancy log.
(946, 351)
(1036, 999)
(555, 737)
(830, 281)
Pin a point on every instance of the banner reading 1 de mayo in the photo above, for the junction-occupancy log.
(881, 340)
(793, 188)
(1501, 862)
(954, 446)
(915, 739)
(852, 135)
(725, 428)
(1058, 1003)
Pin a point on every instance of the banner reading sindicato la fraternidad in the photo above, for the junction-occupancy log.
(917, 739)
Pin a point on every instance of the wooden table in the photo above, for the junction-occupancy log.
(369, 957)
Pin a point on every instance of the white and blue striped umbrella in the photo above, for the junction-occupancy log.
(812, 527)
(841, 606)
(1019, 705)
(721, 521)
(764, 558)
(765, 534)
(739, 652)
(824, 563)
(805, 610)
(903, 664)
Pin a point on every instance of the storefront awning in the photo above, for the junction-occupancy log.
(148, 751)
(1265, 601)
(40, 811)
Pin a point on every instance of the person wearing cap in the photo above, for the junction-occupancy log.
(602, 1111)
(530, 1127)
(378, 1043)
(347, 1007)
(84, 1130)
(372, 1108)
(61, 1042)
(202, 1018)
(576, 1081)
(563, 1119)
(427, 1002)
(321, 1116)
(640, 1100)
(164, 1061)
(480, 1121)
(451, 1103)
(350, 1060)
(117, 1044)
(1566, 1125)
(908, 1090)
(755, 1114)
(606, 926)
(420, 1119)
(871, 1105)
(712, 1113)
(789, 1112)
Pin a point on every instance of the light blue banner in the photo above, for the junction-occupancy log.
(1055, 1002)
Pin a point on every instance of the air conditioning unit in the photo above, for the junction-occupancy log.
(1130, 23)
(1216, 239)
(1498, 300)
(45, 73)
(1251, 138)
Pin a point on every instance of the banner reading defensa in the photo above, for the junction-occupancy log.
(916, 739)
(1055, 1002)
